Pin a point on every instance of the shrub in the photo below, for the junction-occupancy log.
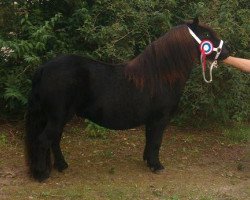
(32, 32)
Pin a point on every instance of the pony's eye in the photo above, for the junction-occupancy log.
(207, 34)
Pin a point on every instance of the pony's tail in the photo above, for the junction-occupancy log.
(35, 122)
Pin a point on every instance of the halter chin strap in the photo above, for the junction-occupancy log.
(203, 56)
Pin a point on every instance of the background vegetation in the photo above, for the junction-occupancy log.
(34, 31)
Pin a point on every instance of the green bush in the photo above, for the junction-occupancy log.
(95, 131)
(32, 32)
(228, 97)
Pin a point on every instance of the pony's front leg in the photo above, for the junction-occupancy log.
(154, 135)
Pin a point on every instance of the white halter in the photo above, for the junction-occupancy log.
(214, 63)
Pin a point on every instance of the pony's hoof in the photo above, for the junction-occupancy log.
(61, 166)
(40, 176)
(157, 168)
(158, 171)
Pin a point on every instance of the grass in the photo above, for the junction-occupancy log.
(238, 134)
(112, 169)
(95, 131)
(3, 139)
(108, 192)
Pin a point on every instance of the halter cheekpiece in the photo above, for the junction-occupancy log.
(206, 48)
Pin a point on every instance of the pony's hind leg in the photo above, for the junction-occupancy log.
(60, 164)
(49, 138)
(42, 167)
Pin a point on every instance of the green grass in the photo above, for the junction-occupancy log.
(206, 198)
(95, 131)
(3, 139)
(238, 134)
(108, 180)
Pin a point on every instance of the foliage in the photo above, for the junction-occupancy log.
(34, 31)
(238, 134)
(228, 97)
(95, 131)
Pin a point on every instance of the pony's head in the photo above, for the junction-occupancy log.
(170, 58)
(207, 40)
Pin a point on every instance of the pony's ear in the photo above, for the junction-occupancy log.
(195, 22)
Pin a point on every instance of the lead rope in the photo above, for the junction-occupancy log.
(204, 66)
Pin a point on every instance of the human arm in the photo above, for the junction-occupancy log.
(240, 63)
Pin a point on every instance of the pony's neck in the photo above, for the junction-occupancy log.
(167, 61)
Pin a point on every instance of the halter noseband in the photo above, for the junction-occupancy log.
(206, 48)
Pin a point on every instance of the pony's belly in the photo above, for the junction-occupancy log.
(118, 126)
(115, 122)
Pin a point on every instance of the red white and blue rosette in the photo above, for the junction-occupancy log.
(206, 46)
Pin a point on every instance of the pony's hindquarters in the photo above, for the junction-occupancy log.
(43, 135)
(50, 106)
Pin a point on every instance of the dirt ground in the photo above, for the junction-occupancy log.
(199, 164)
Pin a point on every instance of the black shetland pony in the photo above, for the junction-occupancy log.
(145, 90)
